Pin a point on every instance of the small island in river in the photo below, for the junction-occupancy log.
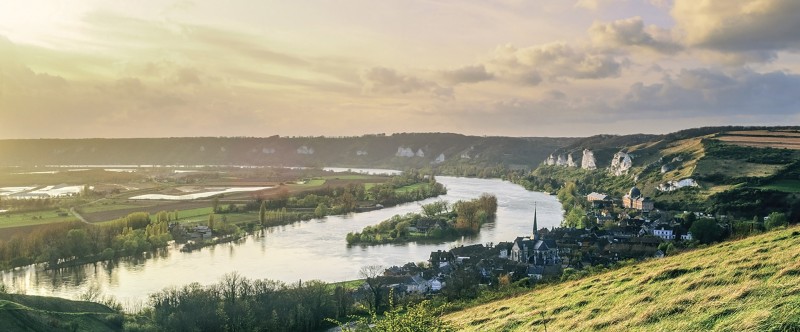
(437, 221)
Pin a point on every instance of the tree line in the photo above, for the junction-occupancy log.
(77, 242)
(438, 220)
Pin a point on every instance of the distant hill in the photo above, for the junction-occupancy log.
(718, 169)
(395, 151)
(746, 285)
(39, 313)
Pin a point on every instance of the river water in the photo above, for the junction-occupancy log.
(314, 249)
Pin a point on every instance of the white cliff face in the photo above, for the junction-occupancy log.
(588, 161)
(550, 161)
(675, 185)
(305, 150)
(561, 161)
(439, 159)
(570, 162)
(404, 152)
(621, 163)
(420, 153)
(665, 168)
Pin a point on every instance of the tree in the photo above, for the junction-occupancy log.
(262, 213)
(372, 275)
(706, 230)
(776, 219)
(211, 222)
(321, 210)
(215, 205)
(433, 209)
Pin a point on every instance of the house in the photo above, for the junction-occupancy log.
(634, 200)
(687, 236)
(416, 284)
(441, 259)
(665, 232)
(599, 200)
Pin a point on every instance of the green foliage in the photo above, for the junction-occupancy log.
(761, 155)
(436, 222)
(775, 220)
(239, 304)
(706, 231)
(76, 242)
(420, 317)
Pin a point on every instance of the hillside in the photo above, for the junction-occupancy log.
(397, 151)
(721, 170)
(745, 285)
(38, 313)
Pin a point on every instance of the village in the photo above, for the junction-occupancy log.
(627, 228)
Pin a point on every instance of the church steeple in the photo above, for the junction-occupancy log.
(535, 225)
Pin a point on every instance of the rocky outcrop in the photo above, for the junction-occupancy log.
(404, 152)
(305, 150)
(420, 153)
(675, 185)
(620, 163)
(570, 162)
(440, 159)
(361, 153)
(561, 161)
(550, 161)
(588, 161)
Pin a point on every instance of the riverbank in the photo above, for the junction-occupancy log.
(313, 249)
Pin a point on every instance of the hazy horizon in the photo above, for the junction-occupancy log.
(547, 68)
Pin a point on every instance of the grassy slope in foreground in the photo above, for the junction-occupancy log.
(745, 285)
(39, 313)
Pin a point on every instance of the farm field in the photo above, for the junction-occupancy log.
(763, 138)
(735, 168)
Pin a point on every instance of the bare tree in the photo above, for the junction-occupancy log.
(373, 276)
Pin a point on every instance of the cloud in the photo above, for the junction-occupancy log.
(387, 80)
(553, 61)
(697, 92)
(632, 32)
(595, 4)
(468, 74)
(739, 25)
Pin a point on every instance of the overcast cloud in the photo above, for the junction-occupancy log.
(548, 67)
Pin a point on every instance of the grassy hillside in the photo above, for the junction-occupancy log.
(728, 163)
(38, 313)
(745, 285)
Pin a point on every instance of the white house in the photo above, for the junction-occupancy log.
(664, 232)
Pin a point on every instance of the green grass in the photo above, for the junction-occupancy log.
(350, 177)
(9, 220)
(789, 186)
(746, 285)
(39, 313)
(735, 168)
(410, 188)
(309, 183)
(350, 284)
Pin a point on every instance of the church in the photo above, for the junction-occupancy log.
(534, 250)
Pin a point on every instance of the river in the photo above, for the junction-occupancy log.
(314, 249)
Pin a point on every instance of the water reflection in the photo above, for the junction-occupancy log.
(314, 249)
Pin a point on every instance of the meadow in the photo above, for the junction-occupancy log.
(751, 284)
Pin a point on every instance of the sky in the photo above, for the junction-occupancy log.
(158, 68)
